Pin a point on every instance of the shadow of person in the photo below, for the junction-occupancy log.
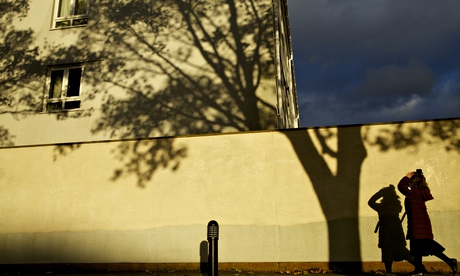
(392, 241)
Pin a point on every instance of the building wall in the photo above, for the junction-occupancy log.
(151, 69)
(149, 201)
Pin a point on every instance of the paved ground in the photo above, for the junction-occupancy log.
(312, 272)
(223, 273)
(184, 273)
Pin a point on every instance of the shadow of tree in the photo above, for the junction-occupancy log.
(402, 135)
(19, 66)
(5, 137)
(338, 193)
(198, 51)
(147, 156)
(184, 67)
(160, 68)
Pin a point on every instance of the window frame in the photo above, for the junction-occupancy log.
(71, 18)
(63, 97)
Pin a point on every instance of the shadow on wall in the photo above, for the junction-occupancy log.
(218, 53)
(338, 193)
(221, 54)
(20, 67)
(204, 257)
(392, 240)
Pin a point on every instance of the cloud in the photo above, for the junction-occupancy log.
(361, 61)
(383, 27)
(392, 81)
(443, 101)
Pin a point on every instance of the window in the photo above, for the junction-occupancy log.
(70, 13)
(64, 88)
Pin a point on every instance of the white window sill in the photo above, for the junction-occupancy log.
(69, 27)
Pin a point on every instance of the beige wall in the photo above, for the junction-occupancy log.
(157, 79)
(63, 205)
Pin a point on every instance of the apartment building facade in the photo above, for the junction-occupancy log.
(84, 71)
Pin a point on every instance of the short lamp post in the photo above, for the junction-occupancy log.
(213, 237)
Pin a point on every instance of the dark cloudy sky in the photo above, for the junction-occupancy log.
(369, 61)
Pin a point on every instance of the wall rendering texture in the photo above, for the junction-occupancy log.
(279, 196)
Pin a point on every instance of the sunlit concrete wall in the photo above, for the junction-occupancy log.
(277, 195)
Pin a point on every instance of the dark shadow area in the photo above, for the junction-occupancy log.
(144, 157)
(19, 67)
(65, 149)
(338, 193)
(402, 135)
(232, 39)
(204, 257)
(392, 240)
(6, 139)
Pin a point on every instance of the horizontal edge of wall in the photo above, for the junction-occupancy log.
(294, 268)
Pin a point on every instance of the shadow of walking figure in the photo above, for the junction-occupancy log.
(392, 241)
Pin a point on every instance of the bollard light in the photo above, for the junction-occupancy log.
(213, 230)
(213, 237)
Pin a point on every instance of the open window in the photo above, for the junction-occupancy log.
(70, 13)
(64, 87)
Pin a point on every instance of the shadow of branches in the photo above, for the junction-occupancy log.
(402, 135)
(19, 66)
(147, 156)
(338, 192)
(169, 68)
(190, 66)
